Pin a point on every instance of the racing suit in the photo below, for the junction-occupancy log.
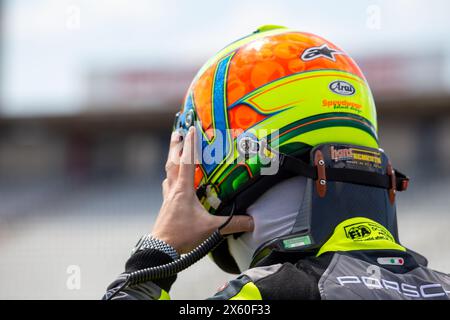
(360, 261)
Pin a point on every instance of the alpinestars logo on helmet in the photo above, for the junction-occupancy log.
(320, 52)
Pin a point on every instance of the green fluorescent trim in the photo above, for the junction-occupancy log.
(164, 295)
(269, 27)
(248, 292)
(360, 234)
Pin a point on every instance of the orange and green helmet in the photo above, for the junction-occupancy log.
(280, 90)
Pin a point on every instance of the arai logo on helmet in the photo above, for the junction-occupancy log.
(342, 88)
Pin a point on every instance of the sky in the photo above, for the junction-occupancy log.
(50, 45)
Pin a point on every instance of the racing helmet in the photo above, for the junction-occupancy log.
(280, 103)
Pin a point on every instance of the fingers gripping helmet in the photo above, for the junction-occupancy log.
(263, 102)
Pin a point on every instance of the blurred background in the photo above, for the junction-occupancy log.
(88, 94)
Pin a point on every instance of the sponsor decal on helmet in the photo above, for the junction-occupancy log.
(342, 88)
(342, 105)
(366, 231)
(320, 52)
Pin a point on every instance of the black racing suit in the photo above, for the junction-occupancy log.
(371, 268)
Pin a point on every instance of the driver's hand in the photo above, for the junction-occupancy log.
(183, 222)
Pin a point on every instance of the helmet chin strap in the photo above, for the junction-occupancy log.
(274, 214)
